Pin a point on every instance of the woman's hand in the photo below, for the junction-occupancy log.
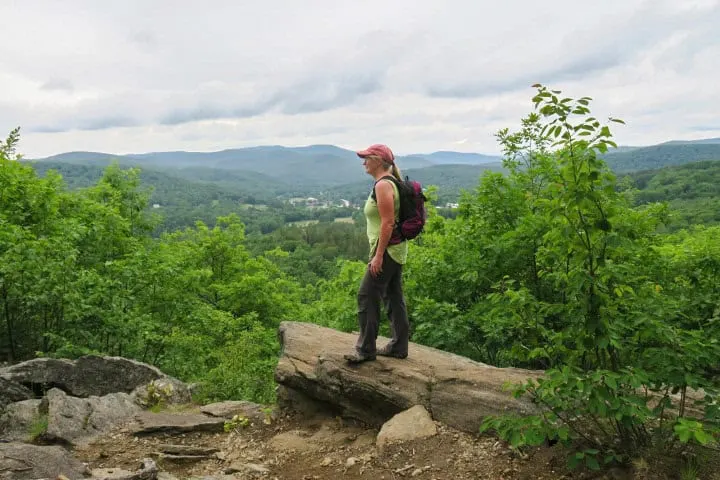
(375, 266)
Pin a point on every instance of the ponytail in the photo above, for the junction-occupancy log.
(396, 172)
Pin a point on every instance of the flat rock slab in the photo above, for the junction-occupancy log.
(182, 459)
(148, 471)
(455, 390)
(148, 423)
(229, 409)
(187, 449)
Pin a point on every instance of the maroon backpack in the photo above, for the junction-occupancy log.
(413, 214)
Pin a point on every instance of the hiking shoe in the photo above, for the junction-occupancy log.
(359, 357)
(386, 352)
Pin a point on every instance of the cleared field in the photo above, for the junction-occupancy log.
(247, 206)
(303, 223)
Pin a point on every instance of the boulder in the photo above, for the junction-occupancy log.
(412, 424)
(455, 390)
(78, 420)
(84, 377)
(19, 420)
(20, 461)
(12, 392)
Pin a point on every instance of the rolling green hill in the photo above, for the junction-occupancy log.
(692, 191)
(658, 156)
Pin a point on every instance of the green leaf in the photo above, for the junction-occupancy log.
(702, 437)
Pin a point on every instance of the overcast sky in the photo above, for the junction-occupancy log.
(419, 75)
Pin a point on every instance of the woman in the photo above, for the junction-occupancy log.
(383, 277)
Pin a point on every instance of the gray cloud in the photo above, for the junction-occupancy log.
(585, 51)
(319, 94)
(422, 74)
(58, 84)
(212, 112)
(145, 39)
(577, 68)
(103, 123)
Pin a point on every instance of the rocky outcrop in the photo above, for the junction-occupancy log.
(84, 377)
(20, 461)
(12, 392)
(77, 400)
(77, 421)
(455, 390)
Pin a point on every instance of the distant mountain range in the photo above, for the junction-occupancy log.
(696, 142)
(323, 167)
(312, 166)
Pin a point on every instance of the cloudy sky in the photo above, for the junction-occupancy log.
(419, 75)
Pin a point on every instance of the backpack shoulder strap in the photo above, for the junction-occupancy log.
(386, 177)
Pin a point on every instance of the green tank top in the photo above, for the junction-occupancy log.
(397, 252)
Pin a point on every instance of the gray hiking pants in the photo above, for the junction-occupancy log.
(374, 291)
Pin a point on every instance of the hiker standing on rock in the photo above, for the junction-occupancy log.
(383, 276)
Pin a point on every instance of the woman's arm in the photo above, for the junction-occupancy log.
(386, 207)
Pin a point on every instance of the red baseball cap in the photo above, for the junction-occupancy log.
(382, 151)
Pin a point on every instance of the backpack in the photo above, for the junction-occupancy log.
(412, 215)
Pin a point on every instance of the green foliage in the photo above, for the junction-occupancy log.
(552, 266)
(38, 428)
(335, 304)
(80, 273)
(245, 368)
(156, 396)
(235, 423)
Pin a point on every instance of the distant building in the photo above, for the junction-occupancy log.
(451, 205)
(156, 205)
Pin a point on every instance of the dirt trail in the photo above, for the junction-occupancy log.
(295, 447)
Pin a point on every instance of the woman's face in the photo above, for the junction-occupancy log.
(371, 164)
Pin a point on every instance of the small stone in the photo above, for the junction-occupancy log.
(254, 468)
(416, 472)
(326, 462)
(351, 462)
